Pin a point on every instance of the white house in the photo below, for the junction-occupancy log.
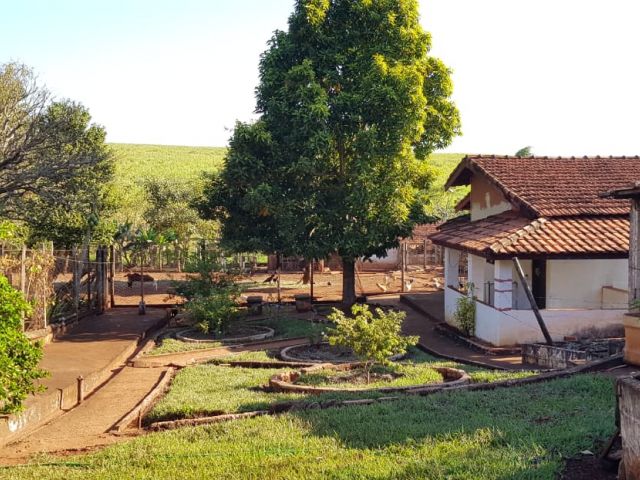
(573, 245)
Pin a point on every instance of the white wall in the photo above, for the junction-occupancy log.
(486, 200)
(520, 326)
(578, 283)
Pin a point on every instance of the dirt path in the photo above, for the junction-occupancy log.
(85, 426)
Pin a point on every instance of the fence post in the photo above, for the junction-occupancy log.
(99, 282)
(88, 252)
(112, 274)
(424, 252)
(44, 290)
(23, 270)
(76, 282)
(403, 259)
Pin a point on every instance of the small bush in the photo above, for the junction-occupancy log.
(19, 358)
(211, 294)
(215, 312)
(373, 338)
(465, 314)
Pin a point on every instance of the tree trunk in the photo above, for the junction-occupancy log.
(348, 282)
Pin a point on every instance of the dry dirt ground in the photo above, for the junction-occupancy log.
(327, 286)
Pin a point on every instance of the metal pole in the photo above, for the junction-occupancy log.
(532, 301)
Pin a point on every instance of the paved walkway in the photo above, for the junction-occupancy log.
(417, 323)
(93, 344)
(95, 349)
(85, 426)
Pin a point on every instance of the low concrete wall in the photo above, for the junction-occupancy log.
(629, 402)
(53, 330)
(51, 403)
(564, 356)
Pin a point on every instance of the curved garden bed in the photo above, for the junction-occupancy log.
(245, 333)
(292, 381)
(321, 353)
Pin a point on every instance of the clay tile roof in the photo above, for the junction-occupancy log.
(423, 231)
(554, 186)
(508, 234)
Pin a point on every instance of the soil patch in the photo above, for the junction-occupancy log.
(586, 467)
(322, 353)
(236, 333)
(358, 376)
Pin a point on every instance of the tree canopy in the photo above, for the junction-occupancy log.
(351, 105)
(53, 162)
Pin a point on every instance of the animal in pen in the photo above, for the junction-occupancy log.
(137, 277)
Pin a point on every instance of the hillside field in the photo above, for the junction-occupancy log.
(137, 163)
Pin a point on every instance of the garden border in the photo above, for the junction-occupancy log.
(280, 408)
(283, 382)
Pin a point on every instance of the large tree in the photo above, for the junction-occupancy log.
(350, 106)
(54, 163)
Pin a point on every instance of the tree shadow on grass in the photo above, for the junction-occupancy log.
(521, 432)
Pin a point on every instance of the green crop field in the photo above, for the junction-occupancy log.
(182, 164)
(135, 162)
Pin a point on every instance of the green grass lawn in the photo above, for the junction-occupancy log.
(285, 327)
(210, 389)
(517, 433)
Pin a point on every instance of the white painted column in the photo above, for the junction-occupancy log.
(451, 266)
(476, 267)
(503, 286)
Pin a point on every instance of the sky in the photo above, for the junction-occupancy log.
(561, 76)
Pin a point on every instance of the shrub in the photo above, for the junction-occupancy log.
(211, 294)
(19, 358)
(205, 277)
(214, 312)
(373, 338)
(465, 314)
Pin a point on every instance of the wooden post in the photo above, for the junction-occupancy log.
(403, 251)
(278, 271)
(77, 273)
(99, 281)
(425, 243)
(634, 251)
(88, 260)
(23, 269)
(44, 291)
(311, 281)
(532, 301)
(112, 274)
(141, 277)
